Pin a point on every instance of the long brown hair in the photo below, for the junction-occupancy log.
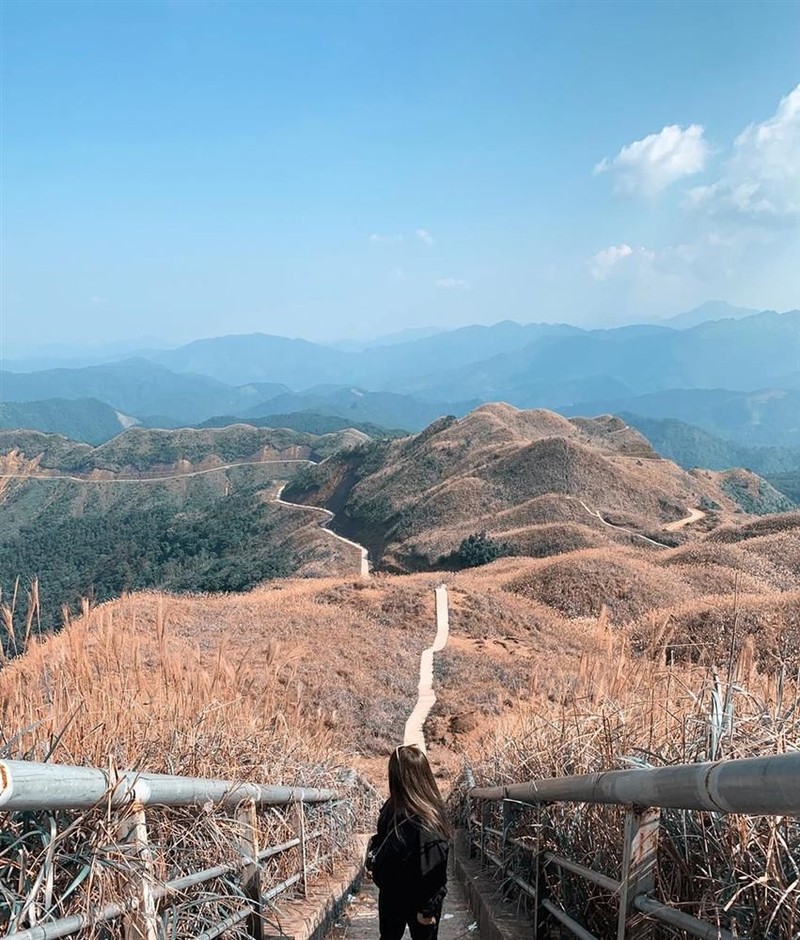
(413, 791)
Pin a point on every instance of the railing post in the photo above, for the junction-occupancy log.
(509, 812)
(247, 820)
(469, 783)
(538, 880)
(142, 922)
(638, 870)
(300, 833)
(483, 833)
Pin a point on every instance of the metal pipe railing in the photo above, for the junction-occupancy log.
(680, 919)
(68, 926)
(28, 786)
(752, 785)
(597, 877)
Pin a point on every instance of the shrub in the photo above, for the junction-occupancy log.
(480, 549)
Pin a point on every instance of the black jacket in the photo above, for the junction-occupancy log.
(409, 861)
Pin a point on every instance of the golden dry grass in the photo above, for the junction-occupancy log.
(503, 470)
(618, 709)
(555, 665)
(264, 687)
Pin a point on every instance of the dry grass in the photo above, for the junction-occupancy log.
(503, 470)
(764, 629)
(620, 710)
(581, 583)
(129, 685)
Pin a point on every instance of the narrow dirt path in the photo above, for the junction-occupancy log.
(694, 516)
(619, 528)
(426, 697)
(325, 525)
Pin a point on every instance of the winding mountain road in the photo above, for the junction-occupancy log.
(364, 569)
(161, 479)
(619, 528)
(694, 516)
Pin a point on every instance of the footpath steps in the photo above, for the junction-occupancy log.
(360, 918)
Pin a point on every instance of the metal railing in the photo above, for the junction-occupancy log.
(751, 786)
(144, 903)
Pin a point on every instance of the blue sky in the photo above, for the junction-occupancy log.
(184, 169)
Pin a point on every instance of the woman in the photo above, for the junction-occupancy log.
(408, 855)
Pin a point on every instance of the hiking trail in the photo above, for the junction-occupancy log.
(325, 525)
(426, 697)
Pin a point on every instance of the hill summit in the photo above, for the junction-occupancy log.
(537, 482)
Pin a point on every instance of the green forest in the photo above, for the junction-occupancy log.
(209, 545)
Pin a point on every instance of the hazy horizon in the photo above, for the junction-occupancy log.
(343, 171)
(143, 344)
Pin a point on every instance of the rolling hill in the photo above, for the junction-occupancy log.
(534, 480)
(766, 417)
(136, 387)
(311, 422)
(152, 451)
(187, 510)
(356, 404)
(87, 420)
(691, 446)
(734, 377)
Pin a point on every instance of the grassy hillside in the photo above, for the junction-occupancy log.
(87, 420)
(215, 532)
(155, 509)
(52, 451)
(691, 446)
(143, 450)
(309, 422)
(534, 681)
(201, 545)
(787, 483)
(512, 473)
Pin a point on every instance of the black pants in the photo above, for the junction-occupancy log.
(394, 912)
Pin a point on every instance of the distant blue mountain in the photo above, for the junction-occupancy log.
(710, 310)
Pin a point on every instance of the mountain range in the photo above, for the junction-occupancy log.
(734, 375)
(538, 482)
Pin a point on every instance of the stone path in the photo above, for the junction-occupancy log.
(360, 919)
(426, 697)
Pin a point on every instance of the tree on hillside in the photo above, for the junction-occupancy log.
(480, 549)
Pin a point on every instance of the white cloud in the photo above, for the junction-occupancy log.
(377, 239)
(761, 180)
(452, 283)
(606, 263)
(649, 165)
(425, 236)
